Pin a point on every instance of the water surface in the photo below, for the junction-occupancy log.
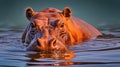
(100, 52)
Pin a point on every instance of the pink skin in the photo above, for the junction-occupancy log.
(45, 44)
(52, 29)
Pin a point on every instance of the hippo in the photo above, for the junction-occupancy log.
(53, 29)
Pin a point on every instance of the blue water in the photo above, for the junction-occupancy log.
(100, 52)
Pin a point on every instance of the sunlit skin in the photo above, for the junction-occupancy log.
(54, 30)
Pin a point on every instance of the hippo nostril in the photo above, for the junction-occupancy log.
(53, 42)
(38, 43)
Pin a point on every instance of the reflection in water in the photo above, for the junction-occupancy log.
(55, 64)
(37, 57)
(104, 51)
(55, 55)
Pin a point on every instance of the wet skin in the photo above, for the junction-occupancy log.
(52, 29)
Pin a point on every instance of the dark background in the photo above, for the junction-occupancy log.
(100, 13)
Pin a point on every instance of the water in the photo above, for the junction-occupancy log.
(101, 52)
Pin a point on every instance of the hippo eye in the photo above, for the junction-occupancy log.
(54, 24)
(61, 25)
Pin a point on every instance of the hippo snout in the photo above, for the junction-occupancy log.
(50, 45)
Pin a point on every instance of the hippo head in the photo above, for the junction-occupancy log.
(47, 29)
(51, 29)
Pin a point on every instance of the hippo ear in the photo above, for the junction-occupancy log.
(67, 12)
(29, 13)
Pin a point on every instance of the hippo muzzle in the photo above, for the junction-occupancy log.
(43, 44)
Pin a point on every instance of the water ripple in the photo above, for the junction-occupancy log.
(102, 51)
